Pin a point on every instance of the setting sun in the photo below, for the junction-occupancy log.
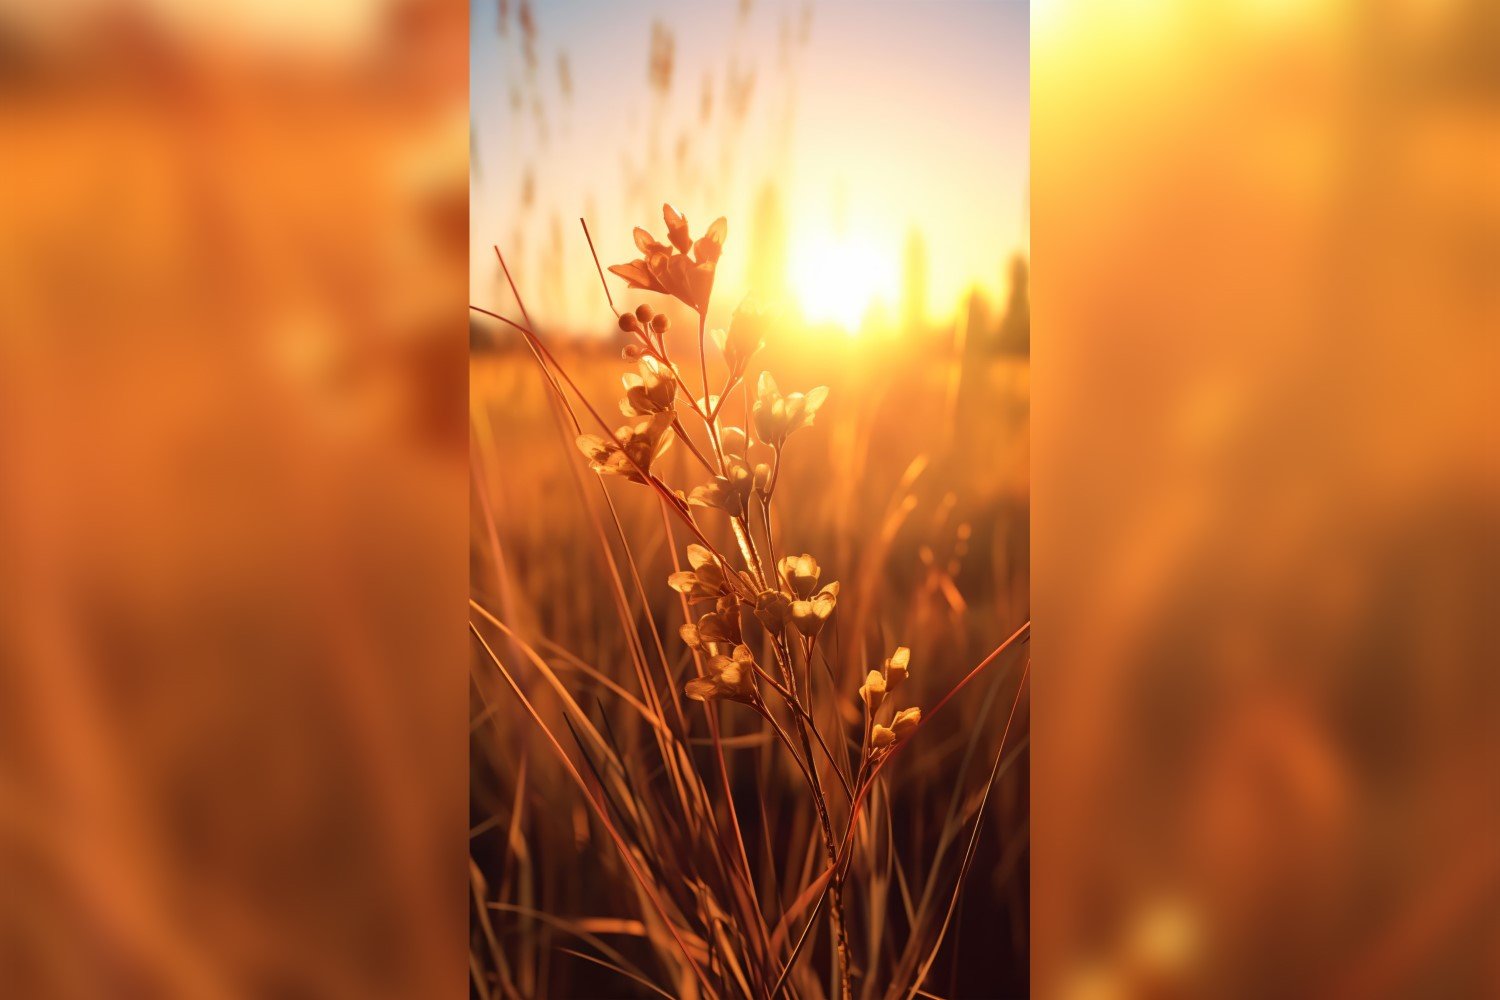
(836, 281)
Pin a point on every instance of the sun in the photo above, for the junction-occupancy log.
(836, 280)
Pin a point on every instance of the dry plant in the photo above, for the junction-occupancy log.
(754, 625)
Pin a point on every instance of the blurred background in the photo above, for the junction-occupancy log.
(1266, 489)
(232, 374)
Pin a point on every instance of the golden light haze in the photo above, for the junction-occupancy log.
(825, 133)
(232, 520)
(1265, 500)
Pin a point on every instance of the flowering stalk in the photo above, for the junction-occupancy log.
(786, 596)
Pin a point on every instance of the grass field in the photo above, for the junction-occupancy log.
(911, 490)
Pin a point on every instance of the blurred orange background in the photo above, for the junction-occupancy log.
(1267, 500)
(232, 397)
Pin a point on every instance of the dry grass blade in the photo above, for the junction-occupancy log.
(647, 888)
(586, 929)
(963, 871)
(619, 969)
(502, 964)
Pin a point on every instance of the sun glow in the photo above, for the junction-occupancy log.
(837, 280)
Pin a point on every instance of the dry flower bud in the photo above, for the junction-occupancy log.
(872, 692)
(801, 574)
(762, 478)
(811, 615)
(652, 390)
(719, 627)
(905, 723)
(727, 492)
(896, 666)
(689, 279)
(643, 313)
(631, 352)
(732, 439)
(745, 336)
(660, 323)
(729, 677)
(704, 582)
(634, 447)
(711, 246)
(677, 229)
(683, 582)
(775, 416)
(773, 609)
(628, 322)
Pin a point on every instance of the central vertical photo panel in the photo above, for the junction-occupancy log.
(749, 557)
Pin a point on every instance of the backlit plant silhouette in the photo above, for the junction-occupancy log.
(752, 618)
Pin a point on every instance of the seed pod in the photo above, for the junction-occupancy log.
(629, 323)
(660, 323)
(643, 313)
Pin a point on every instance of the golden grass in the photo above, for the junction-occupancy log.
(792, 832)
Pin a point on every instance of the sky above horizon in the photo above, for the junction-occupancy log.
(861, 122)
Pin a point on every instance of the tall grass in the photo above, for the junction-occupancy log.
(701, 767)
